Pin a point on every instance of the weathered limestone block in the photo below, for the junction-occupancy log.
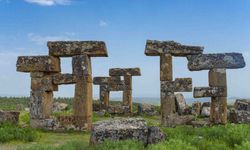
(104, 95)
(83, 101)
(147, 109)
(60, 79)
(38, 64)
(9, 116)
(239, 116)
(118, 87)
(125, 129)
(219, 91)
(127, 99)
(205, 109)
(73, 48)
(118, 109)
(43, 84)
(179, 85)
(211, 61)
(57, 106)
(166, 70)
(76, 123)
(217, 77)
(107, 80)
(128, 82)
(174, 119)
(156, 48)
(180, 103)
(168, 107)
(242, 104)
(196, 108)
(81, 65)
(124, 72)
(41, 104)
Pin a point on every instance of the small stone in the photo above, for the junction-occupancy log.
(9, 116)
(242, 104)
(180, 103)
(57, 106)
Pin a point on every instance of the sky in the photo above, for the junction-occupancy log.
(125, 25)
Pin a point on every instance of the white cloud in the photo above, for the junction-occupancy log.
(102, 23)
(41, 40)
(49, 2)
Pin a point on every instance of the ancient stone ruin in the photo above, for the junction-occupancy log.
(166, 50)
(215, 63)
(125, 129)
(114, 83)
(46, 75)
(217, 90)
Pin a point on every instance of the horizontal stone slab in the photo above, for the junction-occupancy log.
(124, 72)
(107, 80)
(211, 61)
(118, 87)
(59, 79)
(81, 65)
(156, 48)
(43, 84)
(73, 48)
(38, 64)
(179, 85)
(210, 92)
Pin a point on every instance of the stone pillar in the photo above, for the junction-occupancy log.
(104, 96)
(217, 77)
(127, 93)
(167, 98)
(83, 90)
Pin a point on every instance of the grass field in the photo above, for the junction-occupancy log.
(22, 137)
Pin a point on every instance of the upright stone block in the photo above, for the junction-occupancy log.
(217, 77)
(38, 64)
(168, 108)
(81, 65)
(104, 95)
(166, 73)
(83, 102)
(73, 48)
(41, 104)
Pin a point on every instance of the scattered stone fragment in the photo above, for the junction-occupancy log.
(57, 106)
(147, 109)
(242, 104)
(118, 109)
(180, 103)
(174, 119)
(9, 116)
(196, 108)
(205, 109)
(239, 116)
(200, 123)
(125, 129)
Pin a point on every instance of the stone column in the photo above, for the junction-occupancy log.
(83, 90)
(104, 96)
(167, 98)
(127, 93)
(217, 78)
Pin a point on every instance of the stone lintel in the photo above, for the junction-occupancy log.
(210, 92)
(124, 72)
(106, 80)
(67, 78)
(73, 48)
(38, 64)
(156, 48)
(179, 85)
(216, 61)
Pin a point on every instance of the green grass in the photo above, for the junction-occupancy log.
(9, 132)
(22, 137)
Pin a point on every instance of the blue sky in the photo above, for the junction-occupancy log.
(219, 26)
